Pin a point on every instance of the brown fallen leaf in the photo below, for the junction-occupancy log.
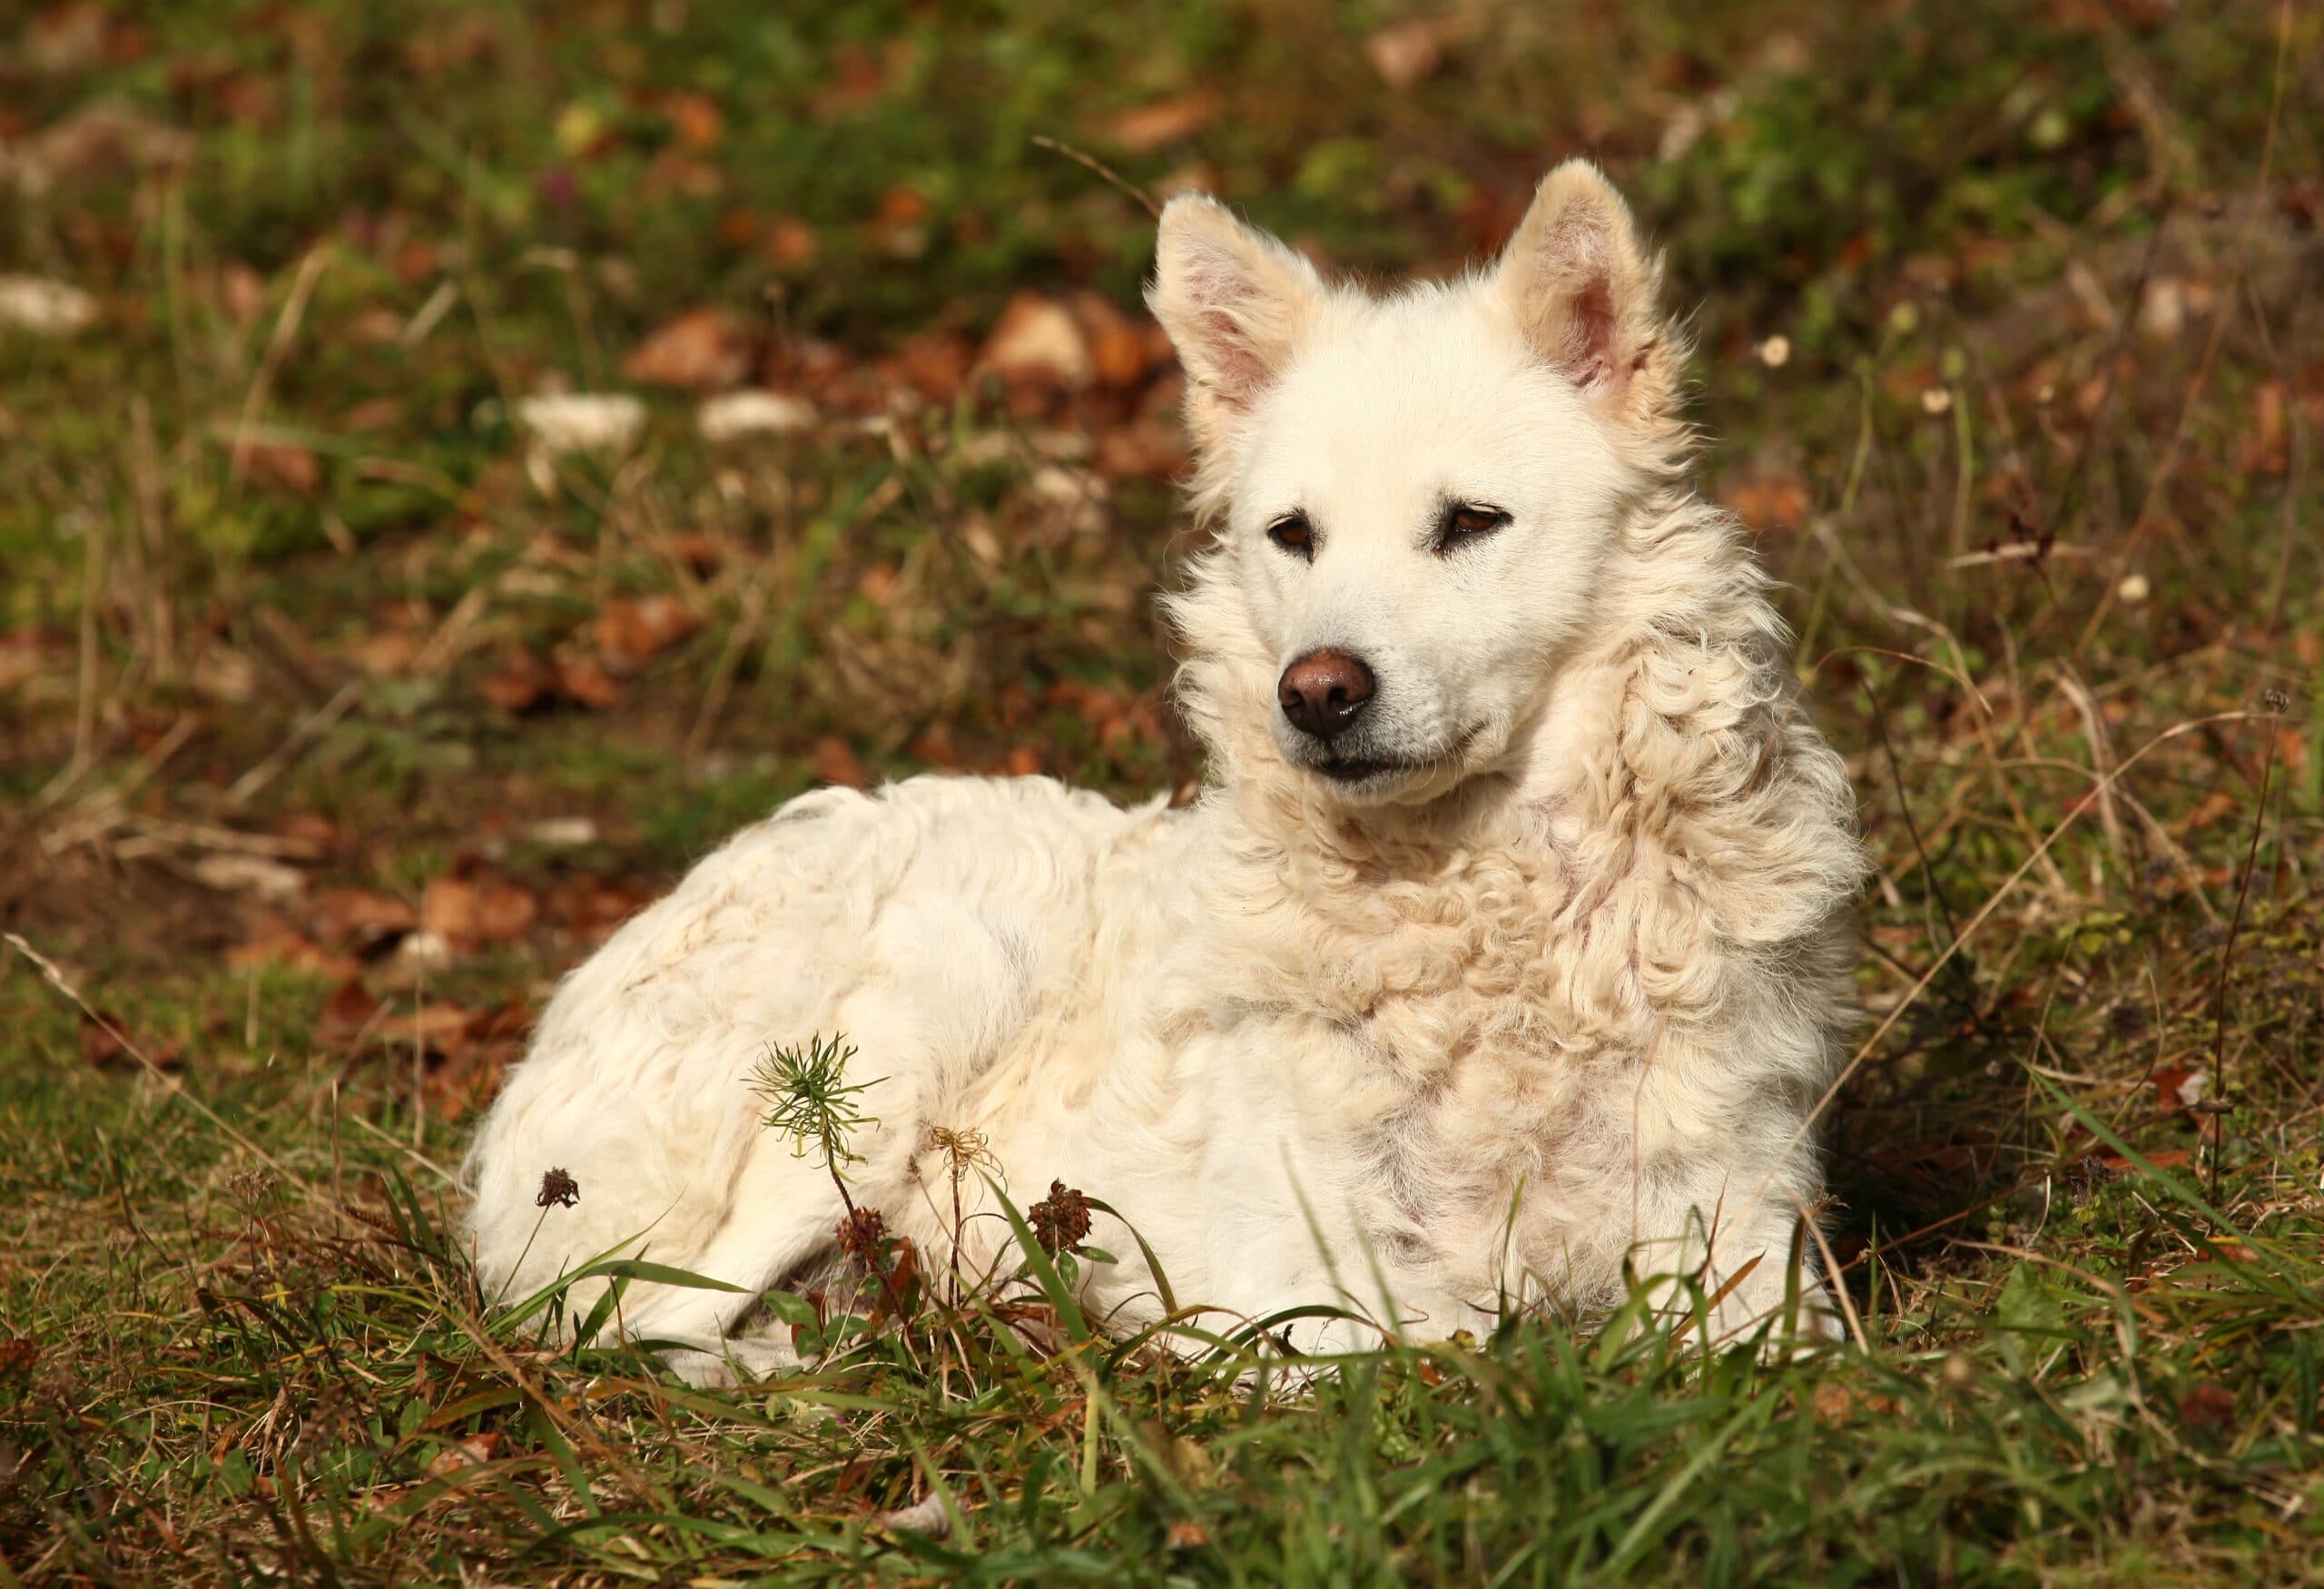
(510, 1022)
(474, 1451)
(527, 684)
(1834, 1404)
(1142, 129)
(348, 1014)
(66, 39)
(1406, 53)
(2208, 811)
(695, 118)
(586, 684)
(441, 1029)
(1147, 446)
(457, 1089)
(2113, 1163)
(1037, 339)
(388, 653)
(789, 242)
(591, 908)
(937, 747)
(521, 684)
(2207, 1407)
(476, 1057)
(634, 630)
(285, 946)
(25, 654)
(362, 919)
(311, 829)
(703, 349)
(469, 913)
(935, 364)
(1119, 354)
(903, 206)
(2179, 1088)
(1767, 501)
(837, 763)
(281, 466)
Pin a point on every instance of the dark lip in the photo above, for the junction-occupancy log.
(1353, 772)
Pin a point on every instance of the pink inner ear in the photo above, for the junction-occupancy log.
(1235, 372)
(1588, 356)
(1232, 366)
(1581, 326)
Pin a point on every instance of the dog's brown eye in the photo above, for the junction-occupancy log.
(1464, 520)
(1293, 534)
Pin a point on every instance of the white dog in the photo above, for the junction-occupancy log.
(1503, 954)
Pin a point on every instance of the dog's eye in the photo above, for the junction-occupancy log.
(1295, 535)
(1464, 521)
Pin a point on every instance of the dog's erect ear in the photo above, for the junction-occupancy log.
(1236, 302)
(1583, 291)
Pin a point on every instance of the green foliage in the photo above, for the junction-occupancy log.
(810, 1099)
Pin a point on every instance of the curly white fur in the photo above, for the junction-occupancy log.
(1550, 994)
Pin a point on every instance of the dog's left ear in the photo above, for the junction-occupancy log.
(1583, 291)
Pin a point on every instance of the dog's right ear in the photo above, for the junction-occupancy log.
(1236, 303)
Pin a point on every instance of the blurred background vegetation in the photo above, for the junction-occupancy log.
(458, 461)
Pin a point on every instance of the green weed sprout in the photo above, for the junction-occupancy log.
(810, 1099)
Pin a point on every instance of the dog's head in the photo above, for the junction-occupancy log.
(1416, 496)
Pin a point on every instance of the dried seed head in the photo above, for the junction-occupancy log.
(1062, 1219)
(2127, 1020)
(251, 1189)
(2207, 1407)
(2275, 700)
(560, 1188)
(860, 1234)
(963, 1148)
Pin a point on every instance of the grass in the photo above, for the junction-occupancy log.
(336, 721)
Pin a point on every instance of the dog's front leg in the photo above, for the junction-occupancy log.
(1736, 1239)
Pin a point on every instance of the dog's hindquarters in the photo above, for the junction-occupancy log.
(912, 925)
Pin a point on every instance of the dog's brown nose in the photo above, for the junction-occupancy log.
(1322, 691)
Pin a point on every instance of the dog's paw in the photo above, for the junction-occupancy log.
(734, 1363)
